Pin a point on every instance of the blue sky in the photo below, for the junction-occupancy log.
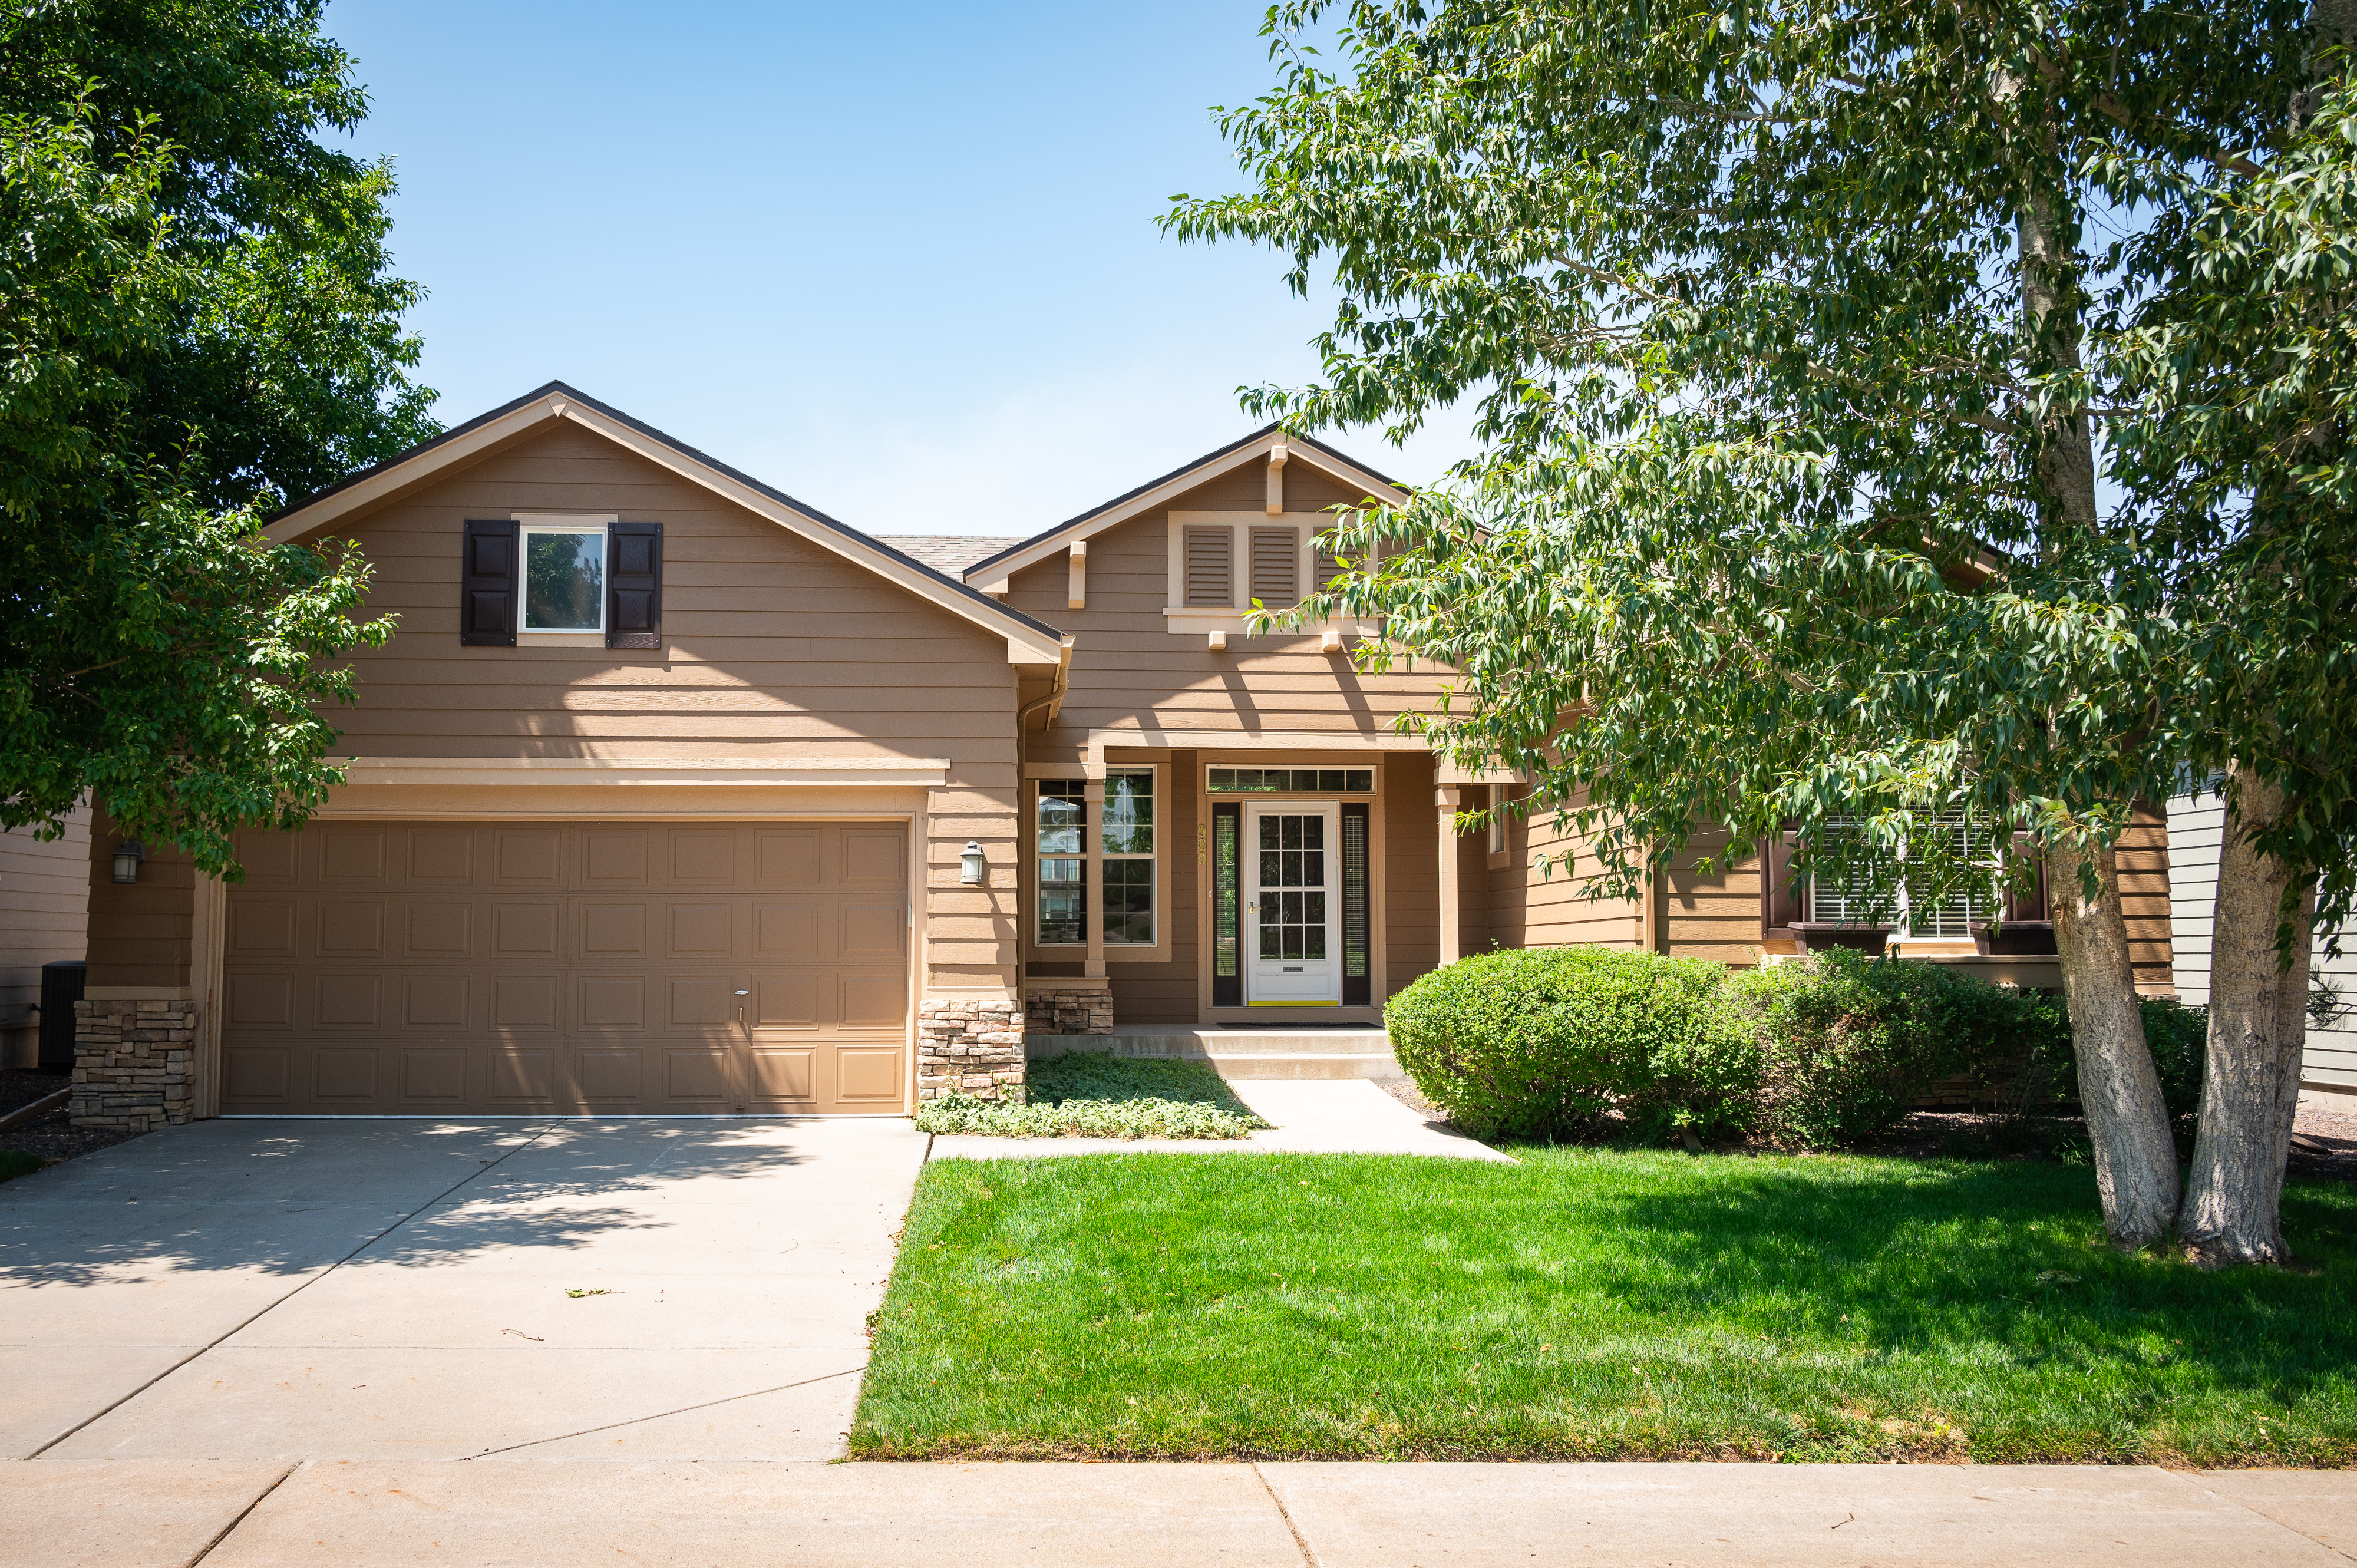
(901, 261)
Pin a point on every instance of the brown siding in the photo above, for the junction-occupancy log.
(1411, 868)
(1555, 911)
(1711, 917)
(139, 931)
(776, 647)
(44, 917)
(2144, 898)
(1165, 993)
(1129, 665)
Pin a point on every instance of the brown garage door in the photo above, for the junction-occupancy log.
(610, 968)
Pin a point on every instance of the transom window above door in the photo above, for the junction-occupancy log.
(563, 577)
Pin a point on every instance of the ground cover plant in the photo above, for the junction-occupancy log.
(1592, 1304)
(1090, 1094)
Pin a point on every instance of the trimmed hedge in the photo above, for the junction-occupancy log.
(1527, 1042)
(1820, 1051)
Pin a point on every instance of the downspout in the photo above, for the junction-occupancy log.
(1052, 702)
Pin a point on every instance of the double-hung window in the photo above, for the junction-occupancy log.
(1127, 845)
(1064, 900)
(1124, 829)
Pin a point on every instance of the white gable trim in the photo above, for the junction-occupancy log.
(1026, 644)
(995, 573)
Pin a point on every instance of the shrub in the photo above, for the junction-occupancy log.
(1091, 1094)
(2178, 1035)
(14, 1162)
(1535, 1041)
(1847, 1043)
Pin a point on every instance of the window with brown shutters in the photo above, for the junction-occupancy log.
(1211, 567)
(1329, 564)
(1275, 567)
(634, 584)
(486, 584)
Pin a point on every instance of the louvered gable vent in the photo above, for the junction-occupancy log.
(1210, 566)
(1275, 567)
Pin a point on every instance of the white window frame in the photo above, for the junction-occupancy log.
(530, 523)
(1153, 856)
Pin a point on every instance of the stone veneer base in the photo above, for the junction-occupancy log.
(966, 1046)
(135, 1064)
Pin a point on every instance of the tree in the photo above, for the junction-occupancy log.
(196, 324)
(1778, 319)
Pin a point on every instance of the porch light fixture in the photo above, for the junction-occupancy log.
(127, 856)
(970, 864)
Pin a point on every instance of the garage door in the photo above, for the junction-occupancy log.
(607, 968)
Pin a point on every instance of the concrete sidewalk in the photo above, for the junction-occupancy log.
(131, 1514)
(1310, 1116)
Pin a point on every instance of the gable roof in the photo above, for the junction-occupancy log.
(1154, 493)
(1028, 641)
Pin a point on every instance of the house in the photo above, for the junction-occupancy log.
(2196, 827)
(672, 794)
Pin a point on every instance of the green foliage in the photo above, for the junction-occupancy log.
(1091, 1094)
(195, 324)
(14, 1162)
(2178, 1035)
(1848, 1042)
(1531, 1042)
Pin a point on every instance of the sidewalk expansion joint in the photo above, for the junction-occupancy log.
(641, 1419)
(1300, 1541)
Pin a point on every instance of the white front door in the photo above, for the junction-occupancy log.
(1292, 894)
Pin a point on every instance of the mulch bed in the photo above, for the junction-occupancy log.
(50, 1134)
(2324, 1142)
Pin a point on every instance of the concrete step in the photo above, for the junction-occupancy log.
(1244, 1053)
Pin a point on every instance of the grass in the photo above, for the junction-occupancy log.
(1089, 1094)
(14, 1162)
(1591, 1304)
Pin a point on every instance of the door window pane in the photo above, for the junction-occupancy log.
(1227, 871)
(564, 580)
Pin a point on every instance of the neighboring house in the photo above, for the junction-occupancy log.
(672, 794)
(2196, 825)
(43, 915)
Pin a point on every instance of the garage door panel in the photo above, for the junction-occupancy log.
(700, 931)
(344, 1073)
(520, 930)
(446, 968)
(352, 855)
(703, 857)
(612, 931)
(523, 1074)
(440, 858)
(524, 857)
(349, 928)
(436, 1002)
(523, 1001)
(435, 1076)
(344, 1001)
(614, 857)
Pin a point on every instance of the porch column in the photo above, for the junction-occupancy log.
(1093, 875)
(1452, 923)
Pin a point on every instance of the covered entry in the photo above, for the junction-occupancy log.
(601, 967)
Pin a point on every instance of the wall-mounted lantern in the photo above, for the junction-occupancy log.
(970, 864)
(127, 856)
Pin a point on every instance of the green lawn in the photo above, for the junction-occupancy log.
(1591, 1304)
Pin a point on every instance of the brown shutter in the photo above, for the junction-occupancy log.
(486, 584)
(1276, 567)
(634, 584)
(1780, 894)
(1210, 566)
(1329, 565)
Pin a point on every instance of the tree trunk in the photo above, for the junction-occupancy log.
(2258, 1028)
(2128, 1121)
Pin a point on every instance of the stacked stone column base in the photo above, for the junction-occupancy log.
(135, 1064)
(970, 1048)
(1071, 1007)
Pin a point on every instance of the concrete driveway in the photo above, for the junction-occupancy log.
(662, 1289)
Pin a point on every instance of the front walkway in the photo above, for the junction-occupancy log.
(135, 1514)
(665, 1288)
